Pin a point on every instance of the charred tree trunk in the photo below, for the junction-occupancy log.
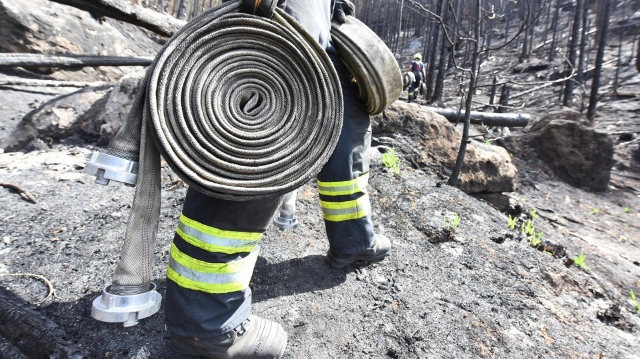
(504, 99)
(583, 44)
(33, 333)
(492, 96)
(638, 55)
(64, 60)
(556, 16)
(182, 9)
(455, 173)
(602, 43)
(438, 39)
(573, 49)
(137, 15)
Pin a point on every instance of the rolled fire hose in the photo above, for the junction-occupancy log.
(240, 107)
(370, 62)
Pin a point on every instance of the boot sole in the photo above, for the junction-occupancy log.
(341, 263)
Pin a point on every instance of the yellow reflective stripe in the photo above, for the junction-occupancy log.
(344, 187)
(219, 232)
(212, 243)
(202, 276)
(347, 210)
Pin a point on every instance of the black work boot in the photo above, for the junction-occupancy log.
(255, 338)
(376, 253)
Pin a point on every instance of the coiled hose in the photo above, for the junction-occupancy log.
(370, 62)
(240, 106)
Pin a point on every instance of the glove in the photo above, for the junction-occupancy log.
(264, 8)
(342, 9)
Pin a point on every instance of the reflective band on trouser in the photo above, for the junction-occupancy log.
(212, 239)
(344, 188)
(194, 274)
(346, 210)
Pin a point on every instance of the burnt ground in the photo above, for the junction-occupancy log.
(481, 291)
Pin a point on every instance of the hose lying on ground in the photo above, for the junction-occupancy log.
(241, 107)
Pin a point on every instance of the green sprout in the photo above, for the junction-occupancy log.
(510, 154)
(488, 142)
(596, 210)
(533, 214)
(512, 222)
(535, 239)
(635, 301)
(626, 210)
(452, 223)
(528, 228)
(580, 260)
(391, 160)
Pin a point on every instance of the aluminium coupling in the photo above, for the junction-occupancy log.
(126, 309)
(108, 167)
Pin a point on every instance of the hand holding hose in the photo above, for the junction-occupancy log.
(343, 8)
(264, 8)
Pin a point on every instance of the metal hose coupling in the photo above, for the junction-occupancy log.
(109, 167)
(126, 304)
(286, 218)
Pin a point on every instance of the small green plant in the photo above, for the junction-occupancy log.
(626, 210)
(512, 222)
(391, 160)
(452, 224)
(580, 261)
(528, 228)
(635, 301)
(488, 142)
(596, 211)
(533, 214)
(535, 239)
(510, 154)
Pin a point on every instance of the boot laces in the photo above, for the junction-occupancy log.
(241, 329)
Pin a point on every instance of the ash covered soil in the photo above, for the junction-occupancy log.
(481, 291)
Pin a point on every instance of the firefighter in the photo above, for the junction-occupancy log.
(416, 67)
(216, 244)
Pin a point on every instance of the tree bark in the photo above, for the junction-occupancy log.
(573, 52)
(149, 19)
(556, 15)
(638, 56)
(455, 173)
(33, 333)
(63, 60)
(602, 43)
(486, 118)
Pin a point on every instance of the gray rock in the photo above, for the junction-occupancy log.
(93, 114)
(429, 141)
(64, 116)
(577, 154)
(42, 26)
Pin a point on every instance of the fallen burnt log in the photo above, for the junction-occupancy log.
(31, 332)
(484, 118)
(68, 60)
(149, 19)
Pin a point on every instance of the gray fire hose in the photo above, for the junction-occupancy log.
(370, 62)
(241, 107)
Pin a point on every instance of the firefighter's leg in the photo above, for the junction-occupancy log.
(342, 186)
(412, 89)
(211, 262)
